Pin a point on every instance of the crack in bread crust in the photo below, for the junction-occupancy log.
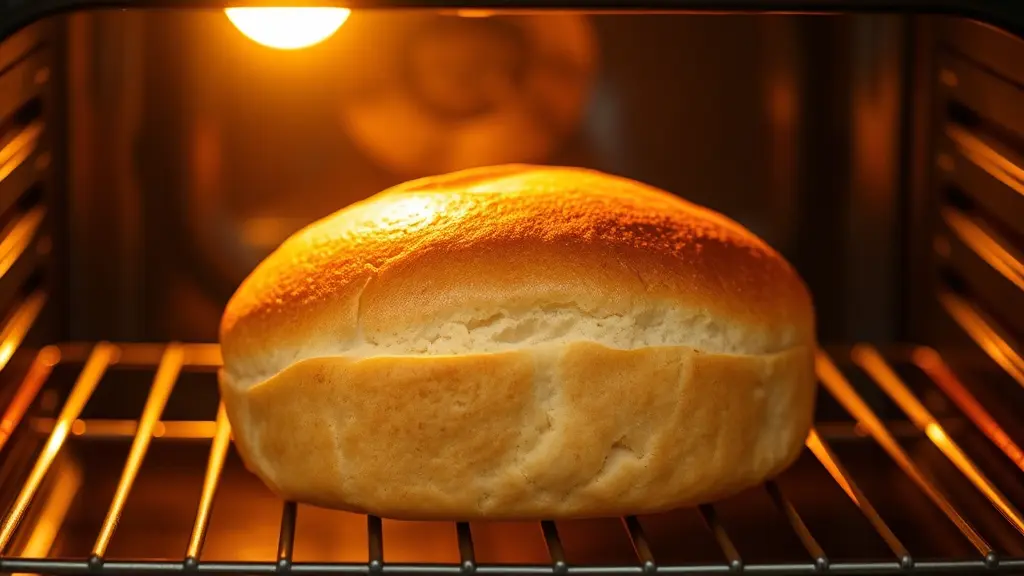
(556, 432)
(481, 331)
(512, 257)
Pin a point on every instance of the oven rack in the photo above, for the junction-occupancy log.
(172, 359)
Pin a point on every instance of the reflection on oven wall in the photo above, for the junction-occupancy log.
(192, 159)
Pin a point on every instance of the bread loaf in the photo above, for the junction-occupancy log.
(519, 342)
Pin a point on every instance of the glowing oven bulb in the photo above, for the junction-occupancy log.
(288, 28)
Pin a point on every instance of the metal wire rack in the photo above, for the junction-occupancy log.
(171, 360)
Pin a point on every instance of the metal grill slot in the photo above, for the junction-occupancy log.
(22, 84)
(21, 165)
(988, 96)
(17, 327)
(33, 383)
(18, 236)
(980, 174)
(983, 43)
(169, 361)
(23, 245)
(24, 75)
(986, 171)
(989, 266)
(20, 44)
(985, 334)
(18, 146)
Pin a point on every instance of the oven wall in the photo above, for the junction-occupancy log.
(192, 151)
(965, 200)
(33, 281)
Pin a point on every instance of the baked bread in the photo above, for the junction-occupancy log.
(519, 342)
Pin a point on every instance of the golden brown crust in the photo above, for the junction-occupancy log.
(571, 431)
(512, 239)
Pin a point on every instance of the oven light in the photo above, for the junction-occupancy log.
(287, 28)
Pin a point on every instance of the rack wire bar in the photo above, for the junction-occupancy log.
(71, 567)
(868, 358)
(286, 541)
(929, 361)
(203, 356)
(984, 335)
(102, 356)
(17, 327)
(640, 544)
(467, 555)
(732, 555)
(126, 428)
(20, 237)
(214, 467)
(797, 523)
(841, 389)
(19, 148)
(555, 549)
(375, 544)
(37, 375)
(163, 383)
(170, 360)
(981, 239)
(835, 468)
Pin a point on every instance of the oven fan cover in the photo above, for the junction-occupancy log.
(431, 93)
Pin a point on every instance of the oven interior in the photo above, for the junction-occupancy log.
(150, 158)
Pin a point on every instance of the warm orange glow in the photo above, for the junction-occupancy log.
(872, 362)
(932, 364)
(288, 28)
(475, 13)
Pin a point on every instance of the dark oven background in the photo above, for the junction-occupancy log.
(193, 151)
